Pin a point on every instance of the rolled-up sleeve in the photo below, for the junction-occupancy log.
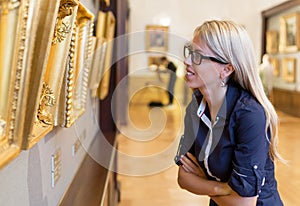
(251, 151)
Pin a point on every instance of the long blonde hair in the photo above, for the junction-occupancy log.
(231, 43)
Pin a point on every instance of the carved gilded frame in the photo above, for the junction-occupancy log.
(289, 69)
(17, 29)
(56, 22)
(75, 87)
(289, 32)
(97, 65)
(157, 38)
(17, 36)
(106, 30)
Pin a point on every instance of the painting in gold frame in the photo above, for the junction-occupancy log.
(55, 24)
(289, 33)
(74, 89)
(154, 60)
(157, 38)
(289, 69)
(272, 42)
(97, 65)
(17, 33)
(275, 63)
(106, 30)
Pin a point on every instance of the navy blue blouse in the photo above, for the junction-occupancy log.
(234, 149)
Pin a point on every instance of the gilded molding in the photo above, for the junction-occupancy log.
(87, 61)
(2, 128)
(70, 81)
(75, 88)
(19, 69)
(6, 6)
(4, 148)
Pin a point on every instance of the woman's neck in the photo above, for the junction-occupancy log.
(214, 99)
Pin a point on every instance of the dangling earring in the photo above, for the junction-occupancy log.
(222, 83)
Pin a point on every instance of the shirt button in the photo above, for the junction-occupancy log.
(255, 167)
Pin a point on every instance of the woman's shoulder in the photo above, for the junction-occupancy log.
(247, 103)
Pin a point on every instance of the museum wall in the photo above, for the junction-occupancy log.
(182, 18)
(281, 41)
(28, 179)
(287, 80)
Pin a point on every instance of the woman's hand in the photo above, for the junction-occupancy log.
(190, 165)
(192, 178)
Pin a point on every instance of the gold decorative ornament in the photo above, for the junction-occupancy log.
(62, 29)
(47, 100)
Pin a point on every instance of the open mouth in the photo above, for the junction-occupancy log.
(189, 73)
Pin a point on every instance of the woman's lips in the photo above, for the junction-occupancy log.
(188, 73)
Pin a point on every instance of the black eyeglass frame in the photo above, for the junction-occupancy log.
(191, 52)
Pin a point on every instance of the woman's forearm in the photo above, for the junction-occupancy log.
(220, 192)
(201, 186)
(234, 200)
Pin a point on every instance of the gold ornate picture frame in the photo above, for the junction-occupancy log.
(157, 38)
(74, 90)
(106, 30)
(289, 33)
(289, 69)
(275, 63)
(55, 25)
(17, 34)
(272, 42)
(97, 65)
(154, 60)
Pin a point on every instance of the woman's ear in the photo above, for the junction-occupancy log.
(227, 71)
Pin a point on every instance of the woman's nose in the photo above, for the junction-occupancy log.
(188, 60)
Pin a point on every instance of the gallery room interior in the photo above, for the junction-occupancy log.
(78, 77)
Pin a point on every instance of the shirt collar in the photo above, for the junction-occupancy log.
(232, 94)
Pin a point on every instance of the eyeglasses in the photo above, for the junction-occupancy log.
(197, 56)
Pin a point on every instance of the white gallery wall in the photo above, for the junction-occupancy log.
(182, 17)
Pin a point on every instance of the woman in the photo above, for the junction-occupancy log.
(232, 123)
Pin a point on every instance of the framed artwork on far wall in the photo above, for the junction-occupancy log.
(289, 69)
(157, 38)
(275, 63)
(154, 60)
(272, 42)
(289, 33)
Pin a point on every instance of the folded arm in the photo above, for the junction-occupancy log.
(192, 178)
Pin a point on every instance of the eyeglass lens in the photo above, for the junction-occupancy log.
(196, 57)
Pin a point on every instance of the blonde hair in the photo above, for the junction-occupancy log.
(231, 43)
